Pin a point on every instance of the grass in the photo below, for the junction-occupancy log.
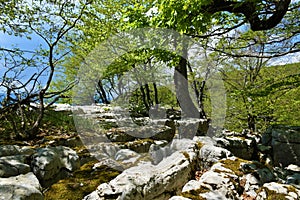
(62, 120)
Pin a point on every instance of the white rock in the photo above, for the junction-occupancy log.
(211, 154)
(127, 156)
(179, 198)
(213, 195)
(48, 162)
(191, 185)
(21, 187)
(148, 181)
(277, 187)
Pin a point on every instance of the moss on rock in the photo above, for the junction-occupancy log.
(84, 181)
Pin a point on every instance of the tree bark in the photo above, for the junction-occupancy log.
(249, 9)
(182, 90)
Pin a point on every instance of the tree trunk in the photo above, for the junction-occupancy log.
(144, 97)
(251, 122)
(149, 100)
(102, 93)
(155, 94)
(181, 87)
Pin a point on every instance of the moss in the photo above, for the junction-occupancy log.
(195, 194)
(271, 194)
(83, 182)
(220, 171)
(234, 165)
(199, 144)
(186, 155)
(291, 189)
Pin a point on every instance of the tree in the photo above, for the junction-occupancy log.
(28, 74)
(246, 56)
(193, 18)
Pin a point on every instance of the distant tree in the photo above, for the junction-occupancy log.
(28, 73)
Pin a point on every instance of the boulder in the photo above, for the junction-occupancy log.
(53, 163)
(240, 147)
(13, 166)
(210, 154)
(286, 145)
(191, 185)
(251, 184)
(14, 160)
(127, 156)
(148, 181)
(219, 185)
(9, 150)
(22, 187)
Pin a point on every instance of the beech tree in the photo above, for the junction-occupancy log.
(195, 18)
(200, 19)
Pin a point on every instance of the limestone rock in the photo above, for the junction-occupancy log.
(109, 163)
(52, 163)
(188, 128)
(286, 145)
(148, 181)
(251, 184)
(164, 133)
(22, 187)
(210, 154)
(191, 185)
(220, 184)
(278, 191)
(139, 146)
(238, 146)
(9, 150)
(179, 198)
(13, 166)
(127, 156)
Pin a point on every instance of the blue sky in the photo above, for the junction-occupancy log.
(9, 42)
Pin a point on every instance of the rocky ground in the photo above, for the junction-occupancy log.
(163, 164)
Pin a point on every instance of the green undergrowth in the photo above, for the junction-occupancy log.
(62, 120)
(81, 183)
(234, 165)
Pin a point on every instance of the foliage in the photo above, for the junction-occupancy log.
(166, 99)
(27, 74)
(272, 99)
